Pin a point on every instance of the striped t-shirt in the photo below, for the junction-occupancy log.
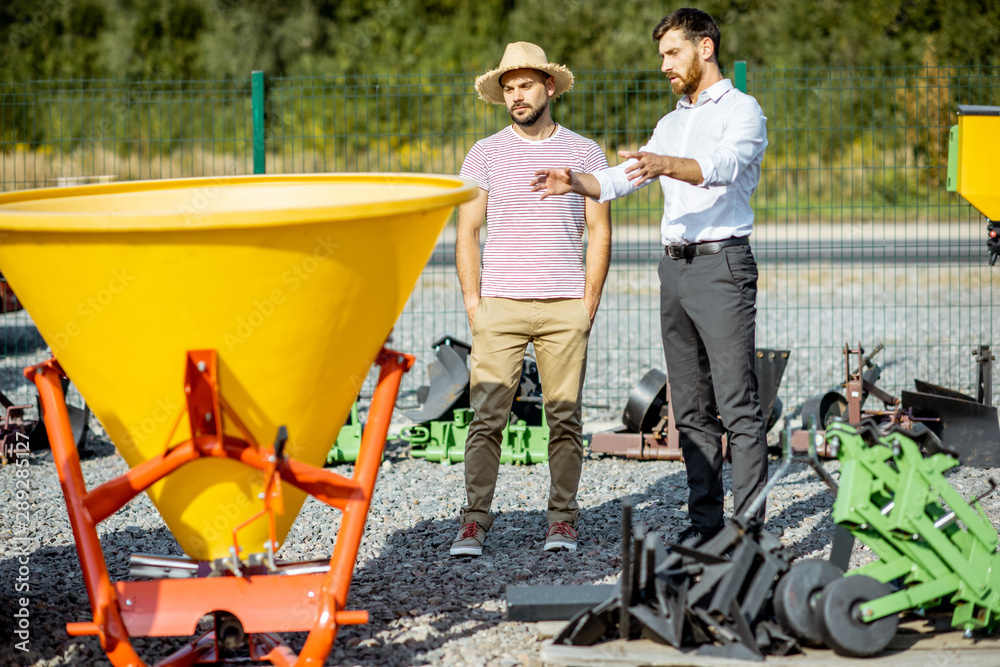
(534, 248)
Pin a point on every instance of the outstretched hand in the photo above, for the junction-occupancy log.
(552, 182)
(646, 167)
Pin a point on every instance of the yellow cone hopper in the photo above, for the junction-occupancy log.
(973, 170)
(293, 281)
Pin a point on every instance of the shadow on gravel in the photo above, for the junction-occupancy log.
(420, 598)
(818, 501)
(96, 448)
(56, 596)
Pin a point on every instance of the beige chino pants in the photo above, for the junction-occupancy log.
(501, 331)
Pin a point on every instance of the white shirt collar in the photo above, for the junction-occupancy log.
(713, 92)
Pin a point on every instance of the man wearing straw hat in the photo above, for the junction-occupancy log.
(706, 154)
(530, 285)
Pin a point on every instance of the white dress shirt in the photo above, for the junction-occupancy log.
(726, 133)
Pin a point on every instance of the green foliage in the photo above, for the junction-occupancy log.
(228, 38)
(359, 84)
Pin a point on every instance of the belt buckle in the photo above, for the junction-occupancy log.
(675, 251)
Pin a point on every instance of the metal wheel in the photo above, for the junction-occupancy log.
(819, 410)
(642, 412)
(841, 624)
(796, 594)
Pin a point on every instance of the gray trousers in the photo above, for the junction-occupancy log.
(707, 314)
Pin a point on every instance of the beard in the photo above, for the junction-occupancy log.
(532, 117)
(688, 80)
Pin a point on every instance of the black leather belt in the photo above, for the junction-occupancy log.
(687, 250)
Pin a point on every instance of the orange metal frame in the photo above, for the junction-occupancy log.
(263, 603)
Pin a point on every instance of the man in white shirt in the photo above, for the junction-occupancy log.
(706, 155)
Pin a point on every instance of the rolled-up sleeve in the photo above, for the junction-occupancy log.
(614, 183)
(743, 141)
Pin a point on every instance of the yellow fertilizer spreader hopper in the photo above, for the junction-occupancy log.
(973, 169)
(220, 329)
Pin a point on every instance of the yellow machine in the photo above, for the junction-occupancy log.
(220, 329)
(973, 168)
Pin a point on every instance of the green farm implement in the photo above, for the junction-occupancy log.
(934, 548)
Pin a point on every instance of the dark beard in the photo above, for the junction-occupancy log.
(531, 118)
(692, 79)
(692, 85)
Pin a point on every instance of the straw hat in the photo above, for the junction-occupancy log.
(522, 55)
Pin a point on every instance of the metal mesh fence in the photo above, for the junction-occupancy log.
(856, 237)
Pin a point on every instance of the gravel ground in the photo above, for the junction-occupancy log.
(426, 608)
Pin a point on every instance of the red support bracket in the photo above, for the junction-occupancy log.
(201, 382)
(173, 606)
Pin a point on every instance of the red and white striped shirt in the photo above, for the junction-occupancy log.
(534, 248)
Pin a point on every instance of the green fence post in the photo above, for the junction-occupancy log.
(257, 103)
(740, 75)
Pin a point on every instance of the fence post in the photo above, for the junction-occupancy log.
(257, 106)
(740, 76)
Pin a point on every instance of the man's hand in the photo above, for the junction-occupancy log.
(591, 308)
(647, 166)
(563, 181)
(471, 304)
(471, 215)
(553, 182)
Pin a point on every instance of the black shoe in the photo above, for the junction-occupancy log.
(693, 536)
